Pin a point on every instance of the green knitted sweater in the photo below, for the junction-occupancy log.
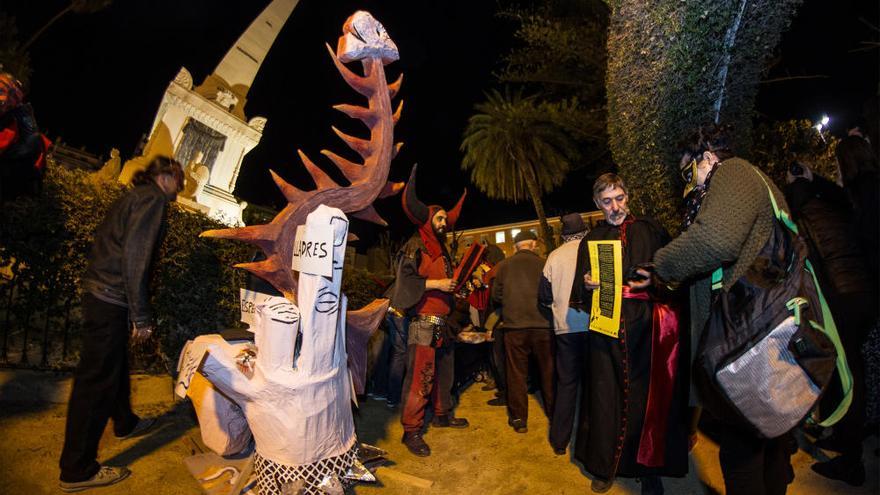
(732, 226)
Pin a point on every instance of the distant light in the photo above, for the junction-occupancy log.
(825, 120)
(818, 127)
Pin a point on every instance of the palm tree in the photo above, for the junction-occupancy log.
(514, 150)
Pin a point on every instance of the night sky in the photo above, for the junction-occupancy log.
(98, 80)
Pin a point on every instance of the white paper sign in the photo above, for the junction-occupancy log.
(313, 250)
(249, 301)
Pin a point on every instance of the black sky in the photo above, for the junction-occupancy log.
(98, 80)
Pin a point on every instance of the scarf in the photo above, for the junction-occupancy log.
(695, 200)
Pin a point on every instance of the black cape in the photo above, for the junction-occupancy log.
(617, 374)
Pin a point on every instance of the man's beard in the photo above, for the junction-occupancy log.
(439, 233)
(619, 217)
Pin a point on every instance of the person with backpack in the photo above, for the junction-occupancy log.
(731, 220)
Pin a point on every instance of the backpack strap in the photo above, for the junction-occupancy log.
(828, 327)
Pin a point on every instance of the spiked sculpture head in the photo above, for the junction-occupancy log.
(364, 39)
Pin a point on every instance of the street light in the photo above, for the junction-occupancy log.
(823, 124)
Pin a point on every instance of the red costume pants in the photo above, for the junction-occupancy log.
(429, 374)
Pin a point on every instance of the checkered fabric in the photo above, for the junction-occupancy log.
(272, 476)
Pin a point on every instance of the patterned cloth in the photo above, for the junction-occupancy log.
(695, 199)
(273, 476)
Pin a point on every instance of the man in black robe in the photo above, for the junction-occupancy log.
(631, 422)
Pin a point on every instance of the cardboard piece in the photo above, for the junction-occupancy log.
(606, 262)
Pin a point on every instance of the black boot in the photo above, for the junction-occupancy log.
(601, 486)
(651, 485)
(447, 421)
(849, 469)
(416, 444)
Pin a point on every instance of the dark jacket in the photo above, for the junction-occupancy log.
(123, 250)
(515, 288)
(733, 225)
(827, 223)
(864, 196)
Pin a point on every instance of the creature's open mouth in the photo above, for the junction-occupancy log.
(327, 301)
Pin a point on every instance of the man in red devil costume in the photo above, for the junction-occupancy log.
(424, 291)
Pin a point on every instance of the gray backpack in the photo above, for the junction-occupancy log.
(770, 346)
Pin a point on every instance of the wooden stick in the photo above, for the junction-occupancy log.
(414, 481)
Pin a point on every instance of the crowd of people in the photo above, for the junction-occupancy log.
(639, 403)
(627, 391)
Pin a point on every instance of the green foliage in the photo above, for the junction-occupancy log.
(13, 58)
(361, 287)
(559, 57)
(671, 63)
(46, 240)
(514, 149)
(777, 144)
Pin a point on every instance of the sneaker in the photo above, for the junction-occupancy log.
(497, 401)
(416, 444)
(105, 476)
(851, 472)
(600, 485)
(446, 421)
(390, 405)
(518, 425)
(143, 426)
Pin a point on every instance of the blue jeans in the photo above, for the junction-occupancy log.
(397, 334)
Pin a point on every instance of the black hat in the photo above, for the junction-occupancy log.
(524, 235)
(573, 224)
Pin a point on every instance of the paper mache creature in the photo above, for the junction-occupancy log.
(295, 395)
(297, 401)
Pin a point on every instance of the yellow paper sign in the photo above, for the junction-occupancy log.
(606, 262)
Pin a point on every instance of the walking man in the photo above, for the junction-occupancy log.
(116, 304)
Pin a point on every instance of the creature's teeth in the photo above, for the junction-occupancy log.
(351, 170)
(362, 146)
(397, 113)
(364, 114)
(396, 149)
(322, 180)
(360, 84)
(394, 87)
(371, 215)
(390, 189)
(291, 193)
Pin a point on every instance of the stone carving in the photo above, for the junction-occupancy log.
(184, 78)
(258, 123)
(226, 98)
(196, 177)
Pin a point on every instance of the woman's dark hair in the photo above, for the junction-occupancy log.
(712, 137)
(854, 155)
(158, 166)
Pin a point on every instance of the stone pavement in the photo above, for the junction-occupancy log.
(487, 458)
